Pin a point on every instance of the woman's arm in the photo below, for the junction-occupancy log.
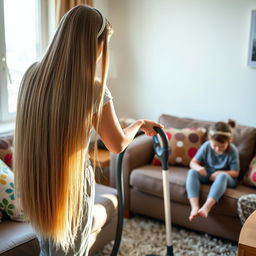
(114, 137)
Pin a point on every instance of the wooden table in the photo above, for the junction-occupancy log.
(247, 238)
(102, 160)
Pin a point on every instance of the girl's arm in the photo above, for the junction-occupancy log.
(234, 166)
(232, 173)
(114, 137)
(197, 165)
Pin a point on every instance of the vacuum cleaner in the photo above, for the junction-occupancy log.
(162, 150)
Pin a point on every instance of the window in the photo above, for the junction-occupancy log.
(24, 27)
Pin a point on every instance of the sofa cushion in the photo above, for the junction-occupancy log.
(105, 206)
(184, 144)
(178, 122)
(18, 235)
(250, 176)
(245, 139)
(148, 179)
(244, 136)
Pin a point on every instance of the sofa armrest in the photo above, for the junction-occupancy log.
(138, 153)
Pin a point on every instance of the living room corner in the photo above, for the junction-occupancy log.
(186, 64)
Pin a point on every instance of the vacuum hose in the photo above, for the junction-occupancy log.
(120, 198)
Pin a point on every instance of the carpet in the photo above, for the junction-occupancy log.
(143, 236)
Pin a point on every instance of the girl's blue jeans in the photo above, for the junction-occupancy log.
(218, 186)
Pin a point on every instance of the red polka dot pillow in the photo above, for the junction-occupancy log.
(250, 176)
(184, 144)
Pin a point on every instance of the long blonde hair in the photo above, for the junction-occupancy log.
(57, 100)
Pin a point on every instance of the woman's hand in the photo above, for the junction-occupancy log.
(202, 171)
(147, 127)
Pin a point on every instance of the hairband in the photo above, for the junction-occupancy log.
(212, 132)
(103, 22)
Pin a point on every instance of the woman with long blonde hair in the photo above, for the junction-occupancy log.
(59, 102)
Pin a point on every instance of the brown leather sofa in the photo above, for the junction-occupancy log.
(19, 239)
(144, 191)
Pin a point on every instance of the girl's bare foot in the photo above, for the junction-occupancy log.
(193, 213)
(203, 212)
(205, 209)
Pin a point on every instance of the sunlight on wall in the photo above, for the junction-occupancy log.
(186, 58)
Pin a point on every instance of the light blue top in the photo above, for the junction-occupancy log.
(212, 162)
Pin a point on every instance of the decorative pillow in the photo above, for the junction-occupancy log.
(250, 176)
(8, 203)
(184, 144)
(6, 152)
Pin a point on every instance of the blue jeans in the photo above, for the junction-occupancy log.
(217, 189)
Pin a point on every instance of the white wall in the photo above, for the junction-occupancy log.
(182, 57)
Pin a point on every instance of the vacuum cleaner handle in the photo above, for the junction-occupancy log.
(162, 151)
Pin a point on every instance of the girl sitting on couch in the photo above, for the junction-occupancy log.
(215, 163)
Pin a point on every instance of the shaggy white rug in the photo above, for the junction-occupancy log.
(143, 236)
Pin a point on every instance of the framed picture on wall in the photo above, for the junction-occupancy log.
(252, 43)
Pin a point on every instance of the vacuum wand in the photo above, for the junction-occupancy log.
(162, 150)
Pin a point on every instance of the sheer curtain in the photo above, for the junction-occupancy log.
(62, 6)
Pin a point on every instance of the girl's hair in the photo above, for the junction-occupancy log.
(57, 101)
(221, 131)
